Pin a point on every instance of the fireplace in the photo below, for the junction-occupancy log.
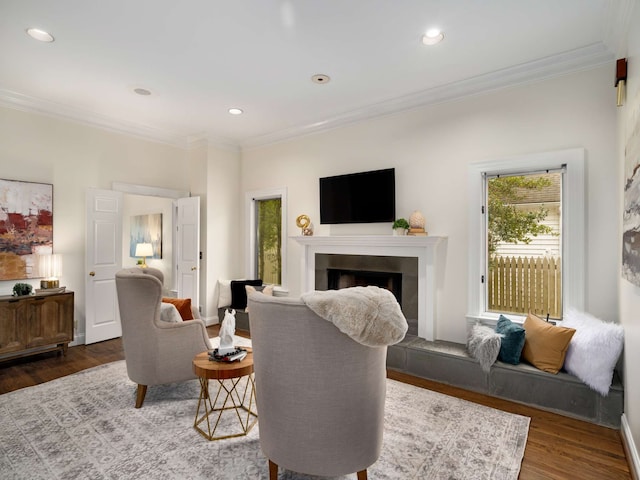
(339, 278)
(399, 275)
(413, 258)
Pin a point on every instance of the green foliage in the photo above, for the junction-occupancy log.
(506, 222)
(22, 289)
(269, 213)
(400, 223)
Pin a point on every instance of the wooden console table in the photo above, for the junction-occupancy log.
(32, 324)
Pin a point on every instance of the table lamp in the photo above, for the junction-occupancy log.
(144, 250)
(50, 267)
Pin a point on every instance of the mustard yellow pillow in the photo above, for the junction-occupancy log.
(545, 345)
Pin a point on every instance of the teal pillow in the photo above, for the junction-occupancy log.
(512, 340)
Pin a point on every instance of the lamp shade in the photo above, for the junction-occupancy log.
(50, 266)
(144, 250)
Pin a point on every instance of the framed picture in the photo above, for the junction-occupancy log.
(26, 227)
(146, 229)
(631, 213)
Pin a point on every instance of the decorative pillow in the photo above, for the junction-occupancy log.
(266, 290)
(483, 344)
(183, 305)
(512, 340)
(239, 294)
(594, 349)
(224, 293)
(545, 344)
(169, 313)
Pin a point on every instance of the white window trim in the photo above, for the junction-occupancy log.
(250, 212)
(573, 234)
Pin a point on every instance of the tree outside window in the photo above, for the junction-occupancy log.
(524, 244)
(268, 240)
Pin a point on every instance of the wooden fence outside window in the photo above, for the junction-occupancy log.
(529, 284)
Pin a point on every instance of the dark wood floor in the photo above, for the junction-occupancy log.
(558, 447)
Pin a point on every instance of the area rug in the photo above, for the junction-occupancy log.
(85, 426)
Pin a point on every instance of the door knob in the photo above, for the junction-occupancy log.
(193, 268)
(93, 274)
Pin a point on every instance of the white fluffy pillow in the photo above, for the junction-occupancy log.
(594, 349)
(483, 344)
(224, 293)
(169, 313)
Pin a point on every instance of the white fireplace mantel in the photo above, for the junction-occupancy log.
(424, 248)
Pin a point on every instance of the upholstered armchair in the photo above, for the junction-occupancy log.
(320, 394)
(156, 352)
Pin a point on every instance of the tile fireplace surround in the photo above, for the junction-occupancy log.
(425, 249)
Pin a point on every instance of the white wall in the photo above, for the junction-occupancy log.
(223, 244)
(74, 157)
(431, 149)
(629, 293)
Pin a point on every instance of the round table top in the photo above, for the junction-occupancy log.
(205, 368)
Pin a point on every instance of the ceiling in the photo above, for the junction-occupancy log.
(201, 57)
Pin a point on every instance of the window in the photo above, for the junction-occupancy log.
(524, 243)
(493, 291)
(266, 211)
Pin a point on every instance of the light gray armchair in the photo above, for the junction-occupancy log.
(156, 352)
(320, 394)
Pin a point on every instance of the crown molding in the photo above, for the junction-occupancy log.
(29, 104)
(584, 58)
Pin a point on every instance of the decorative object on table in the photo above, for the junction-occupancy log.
(50, 268)
(20, 289)
(146, 229)
(27, 220)
(400, 226)
(417, 224)
(304, 223)
(237, 355)
(50, 291)
(227, 331)
(144, 250)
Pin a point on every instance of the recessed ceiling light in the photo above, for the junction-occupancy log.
(142, 91)
(40, 35)
(320, 78)
(236, 111)
(432, 36)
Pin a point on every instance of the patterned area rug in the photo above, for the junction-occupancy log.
(85, 426)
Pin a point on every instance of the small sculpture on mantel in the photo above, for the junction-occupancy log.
(304, 223)
(417, 224)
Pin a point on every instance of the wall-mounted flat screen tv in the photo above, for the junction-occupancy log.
(364, 197)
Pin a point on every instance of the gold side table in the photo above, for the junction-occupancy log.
(233, 400)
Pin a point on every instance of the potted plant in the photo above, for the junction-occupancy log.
(20, 289)
(400, 226)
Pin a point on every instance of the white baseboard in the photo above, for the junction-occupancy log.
(630, 448)
(78, 339)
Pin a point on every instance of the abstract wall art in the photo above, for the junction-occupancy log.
(26, 227)
(146, 229)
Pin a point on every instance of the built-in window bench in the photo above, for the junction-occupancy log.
(561, 393)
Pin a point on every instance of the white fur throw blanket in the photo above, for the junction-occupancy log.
(369, 315)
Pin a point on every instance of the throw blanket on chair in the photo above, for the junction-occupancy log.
(369, 315)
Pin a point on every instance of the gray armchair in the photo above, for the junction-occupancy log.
(156, 352)
(320, 394)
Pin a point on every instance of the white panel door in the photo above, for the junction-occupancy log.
(103, 260)
(188, 248)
